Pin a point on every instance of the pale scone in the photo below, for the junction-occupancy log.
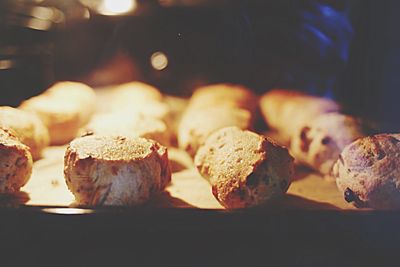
(110, 170)
(197, 125)
(15, 162)
(140, 99)
(245, 169)
(285, 110)
(214, 107)
(126, 124)
(224, 94)
(29, 129)
(64, 109)
(368, 172)
(320, 141)
(132, 93)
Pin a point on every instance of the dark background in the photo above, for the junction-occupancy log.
(345, 50)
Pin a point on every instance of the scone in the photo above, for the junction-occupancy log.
(214, 107)
(64, 108)
(29, 129)
(110, 170)
(285, 111)
(320, 141)
(245, 169)
(131, 93)
(15, 162)
(125, 124)
(224, 94)
(197, 125)
(140, 99)
(368, 172)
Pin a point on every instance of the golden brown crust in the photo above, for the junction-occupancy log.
(368, 172)
(63, 108)
(15, 162)
(320, 141)
(28, 127)
(107, 170)
(244, 168)
(287, 110)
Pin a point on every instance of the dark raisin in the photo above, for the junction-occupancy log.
(381, 154)
(326, 140)
(305, 141)
(349, 195)
(87, 133)
(114, 170)
(394, 140)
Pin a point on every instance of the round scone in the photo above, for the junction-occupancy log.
(320, 141)
(245, 169)
(197, 125)
(64, 109)
(223, 94)
(131, 93)
(29, 129)
(125, 124)
(368, 172)
(287, 110)
(109, 170)
(15, 162)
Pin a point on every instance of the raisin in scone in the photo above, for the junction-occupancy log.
(320, 141)
(64, 108)
(15, 162)
(285, 110)
(245, 169)
(29, 129)
(368, 172)
(110, 170)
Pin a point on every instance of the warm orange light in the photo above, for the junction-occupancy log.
(116, 7)
(68, 211)
(159, 60)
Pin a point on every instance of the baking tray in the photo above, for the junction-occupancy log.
(185, 225)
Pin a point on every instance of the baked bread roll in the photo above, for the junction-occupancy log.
(197, 125)
(245, 169)
(124, 124)
(320, 141)
(29, 129)
(285, 111)
(15, 162)
(214, 107)
(64, 108)
(109, 170)
(140, 99)
(368, 172)
(223, 94)
(135, 93)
